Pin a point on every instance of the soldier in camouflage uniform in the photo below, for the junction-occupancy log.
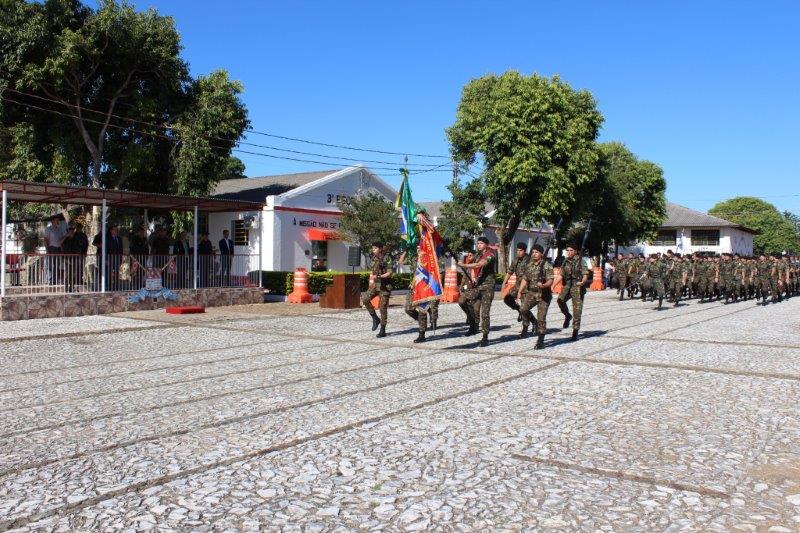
(622, 276)
(654, 274)
(574, 275)
(517, 267)
(712, 277)
(416, 312)
(535, 292)
(763, 275)
(482, 290)
(381, 286)
(675, 276)
(725, 283)
(738, 277)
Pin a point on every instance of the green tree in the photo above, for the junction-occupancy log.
(775, 232)
(536, 139)
(368, 219)
(628, 198)
(462, 218)
(794, 220)
(109, 101)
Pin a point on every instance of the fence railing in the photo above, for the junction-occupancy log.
(71, 273)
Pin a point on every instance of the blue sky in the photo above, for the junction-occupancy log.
(708, 90)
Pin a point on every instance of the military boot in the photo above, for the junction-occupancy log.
(567, 321)
(473, 329)
(420, 337)
(381, 333)
(660, 301)
(539, 342)
(524, 332)
(574, 335)
(484, 341)
(375, 320)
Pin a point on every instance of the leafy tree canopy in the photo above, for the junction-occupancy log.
(368, 219)
(102, 97)
(776, 233)
(463, 217)
(536, 138)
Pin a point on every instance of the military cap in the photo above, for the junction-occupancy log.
(539, 248)
(483, 239)
(522, 246)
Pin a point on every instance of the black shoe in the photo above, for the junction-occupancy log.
(420, 338)
(375, 321)
(519, 316)
(676, 304)
(524, 332)
(621, 296)
(484, 341)
(574, 335)
(381, 333)
(471, 331)
(567, 321)
(539, 342)
(660, 301)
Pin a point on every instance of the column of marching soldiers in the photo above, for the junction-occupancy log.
(671, 276)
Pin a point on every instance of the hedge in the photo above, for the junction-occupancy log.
(278, 282)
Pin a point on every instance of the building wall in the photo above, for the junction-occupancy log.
(731, 240)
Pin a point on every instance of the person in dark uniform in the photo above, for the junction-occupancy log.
(381, 286)
(205, 251)
(482, 290)
(226, 251)
(517, 267)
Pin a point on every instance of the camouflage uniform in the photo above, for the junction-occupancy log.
(654, 273)
(726, 278)
(536, 272)
(517, 267)
(700, 278)
(572, 272)
(738, 278)
(675, 271)
(622, 277)
(381, 287)
(712, 272)
(482, 291)
(780, 268)
(763, 279)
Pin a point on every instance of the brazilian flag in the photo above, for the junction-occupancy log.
(409, 228)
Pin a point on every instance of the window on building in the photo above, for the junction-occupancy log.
(705, 237)
(665, 237)
(241, 233)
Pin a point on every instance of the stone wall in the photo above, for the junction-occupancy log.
(21, 307)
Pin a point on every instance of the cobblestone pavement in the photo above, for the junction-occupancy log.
(680, 419)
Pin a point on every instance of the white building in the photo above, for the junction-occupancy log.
(300, 219)
(687, 231)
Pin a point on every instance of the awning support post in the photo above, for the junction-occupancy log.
(260, 246)
(103, 252)
(196, 246)
(4, 244)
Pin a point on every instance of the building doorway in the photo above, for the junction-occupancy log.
(319, 256)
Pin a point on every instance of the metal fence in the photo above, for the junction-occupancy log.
(66, 273)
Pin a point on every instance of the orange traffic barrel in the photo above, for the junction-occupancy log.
(300, 294)
(451, 293)
(512, 280)
(597, 279)
(558, 283)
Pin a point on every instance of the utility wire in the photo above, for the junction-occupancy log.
(175, 140)
(169, 126)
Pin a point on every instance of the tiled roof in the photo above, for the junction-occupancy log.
(257, 189)
(683, 217)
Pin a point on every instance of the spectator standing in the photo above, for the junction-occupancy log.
(226, 252)
(54, 235)
(183, 255)
(206, 252)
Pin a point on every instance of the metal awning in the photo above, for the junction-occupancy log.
(54, 193)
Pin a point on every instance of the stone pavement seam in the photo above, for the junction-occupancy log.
(159, 368)
(5, 525)
(163, 325)
(619, 474)
(211, 396)
(258, 414)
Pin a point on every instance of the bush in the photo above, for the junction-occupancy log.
(279, 282)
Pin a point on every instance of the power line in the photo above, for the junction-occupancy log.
(244, 143)
(175, 140)
(266, 134)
